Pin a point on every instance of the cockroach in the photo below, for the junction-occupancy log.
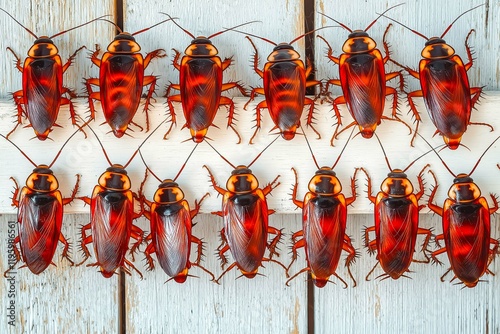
(396, 213)
(363, 81)
(171, 228)
(200, 85)
(324, 216)
(111, 218)
(122, 79)
(284, 87)
(466, 227)
(445, 86)
(245, 214)
(40, 213)
(42, 92)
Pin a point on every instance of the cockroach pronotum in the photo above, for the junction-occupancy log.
(245, 214)
(111, 218)
(200, 86)
(40, 214)
(171, 228)
(121, 80)
(284, 87)
(363, 81)
(42, 90)
(445, 86)
(324, 217)
(396, 213)
(466, 227)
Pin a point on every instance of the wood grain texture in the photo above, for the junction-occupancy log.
(206, 18)
(73, 300)
(63, 298)
(260, 305)
(49, 18)
(430, 18)
(421, 304)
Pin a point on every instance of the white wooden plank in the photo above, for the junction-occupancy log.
(61, 299)
(260, 305)
(166, 157)
(280, 22)
(430, 18)
(49, 18)
(421, 304)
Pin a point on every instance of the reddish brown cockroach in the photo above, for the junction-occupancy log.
(200, 85)
(40, 213)
(171, 228)
(324, 216)
(285, 81)
(396, 213)
(245, 214)
(121, 80)
(466, 227)
(445, 87)
(42, 90)
(111, 218)
(363, 81)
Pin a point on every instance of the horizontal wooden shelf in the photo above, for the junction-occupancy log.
(165, 157)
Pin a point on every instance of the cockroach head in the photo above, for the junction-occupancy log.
(242, 181)
(358, 42)
(463, 189)
(43, 47)
(43, 169)
(201, 47)
(325, 182)
(397, 173)
(42, 179)
(124, 43)
(283, 51)
(168, 192)
(436, 48)
(115, 178)
(397, 184)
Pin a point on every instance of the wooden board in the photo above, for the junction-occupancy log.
(69, 299)
(428, 17)
(61, 299)
(49, 18)
(420, 303)
(262, 304)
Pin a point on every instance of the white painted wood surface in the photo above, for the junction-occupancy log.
(72, 299)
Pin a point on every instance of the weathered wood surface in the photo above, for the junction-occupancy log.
(77, 299)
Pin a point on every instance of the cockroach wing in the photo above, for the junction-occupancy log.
(201, 87)
(285, 90)
(40, 220)
(446, 92)
(42, 89)
(363, 84)
(396, 227)
(111, 223)
(171, 237)
(324, 229)
(466, 229)
(121, 81)
(246, 222)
